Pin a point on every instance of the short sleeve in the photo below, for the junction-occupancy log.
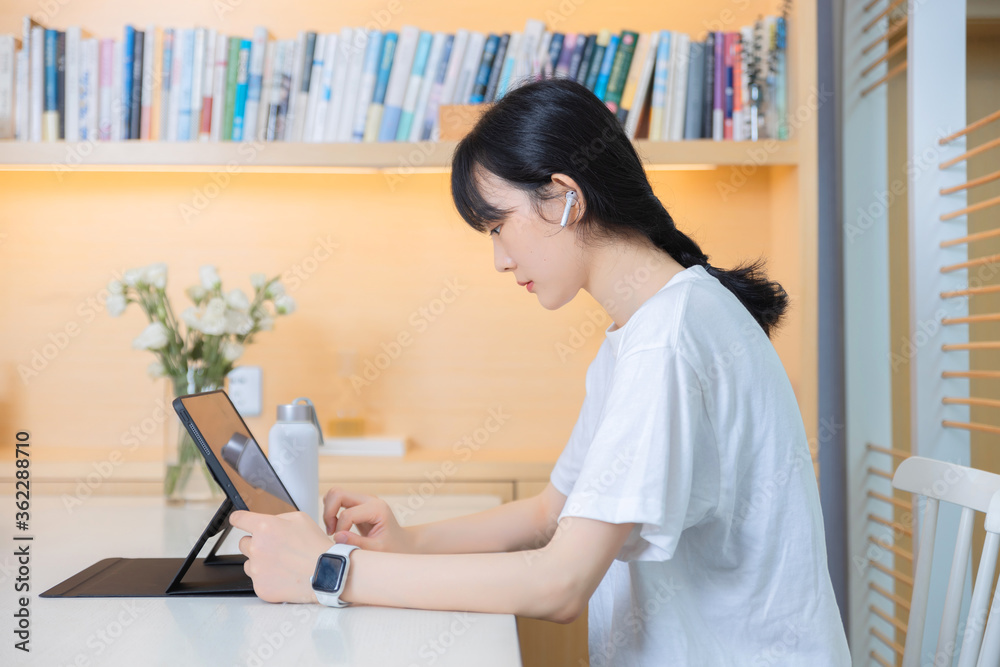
(652, 457)
(567, 466)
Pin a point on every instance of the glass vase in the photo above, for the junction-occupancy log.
(187, 479)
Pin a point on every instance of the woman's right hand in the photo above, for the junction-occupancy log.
(373, 517)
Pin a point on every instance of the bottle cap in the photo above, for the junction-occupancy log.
(298, 412)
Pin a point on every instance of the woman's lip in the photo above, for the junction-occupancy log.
(529, 284)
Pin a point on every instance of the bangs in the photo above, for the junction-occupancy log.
(466, 167)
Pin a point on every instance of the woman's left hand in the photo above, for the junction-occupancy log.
(281, 553)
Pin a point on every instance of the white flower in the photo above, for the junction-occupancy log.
(133, 277)
(213, 320)
(275, 289)
(284, 304)
(238, 299)
(116, 305)
(153, 337)
(196, 293)
(257, 280)
(191, 318)
(238, 322)
(116, 287)
(265, 322)
(156, 370)
(156, 275)
(231, 350)
(209, 277)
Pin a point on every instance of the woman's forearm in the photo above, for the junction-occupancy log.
(525, 583)
(513, 526)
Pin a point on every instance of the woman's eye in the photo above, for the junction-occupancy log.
(495, 230)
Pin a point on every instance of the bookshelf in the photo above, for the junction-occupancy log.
(117, 207)
(275, 157)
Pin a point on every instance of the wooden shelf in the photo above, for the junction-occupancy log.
(388, 157)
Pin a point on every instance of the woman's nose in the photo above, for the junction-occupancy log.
(501, 260)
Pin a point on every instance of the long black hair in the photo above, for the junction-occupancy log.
(558, 125)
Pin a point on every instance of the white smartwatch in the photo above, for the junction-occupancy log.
(331, 574)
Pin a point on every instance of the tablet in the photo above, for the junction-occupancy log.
(235, 459)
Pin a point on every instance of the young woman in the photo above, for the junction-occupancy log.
(684, 508)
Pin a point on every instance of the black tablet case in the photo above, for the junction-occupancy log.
(213, 575)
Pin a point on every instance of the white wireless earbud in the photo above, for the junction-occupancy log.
(570, 200)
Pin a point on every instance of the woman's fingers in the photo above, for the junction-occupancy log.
(334, 500)
(359, 515)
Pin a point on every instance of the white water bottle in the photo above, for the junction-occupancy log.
(293, 450)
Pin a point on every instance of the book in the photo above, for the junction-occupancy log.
(695, 92)
(509, 64)
(325, 83)
(604, 73)
(420, 57)
(312, 100)
(232, 72)
(369, 78)
(427, 84)
(304, 69)
(207, 86)
(200, 35)
(271, 131)
(708, 97)
(255, 82)
(358, 45)
(470, 66)
(583, 69)
(619, 69)
(639, 83)
(36, 84)
(50, 113)
(455, 62)
(21, 95)
(565, 55)
(398, 79)
(373, 119)
(117, 103)
(105, 76)
(265, 91)
(285, 90)
(240, 97)
(128, 55)
(482, 78)
(294, 68)
(719, 86)
(554, 49)
(434, 100)
(183, 124)
(149, 47)
(71, 82)
(166, 67)
(135, 88)
(8, 85)
(341, 66)
(661, 76)
(674, 130)
(727, 119)
(219, 78)
(577, 56)
(597, 58)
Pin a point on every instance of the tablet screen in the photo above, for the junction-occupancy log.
(238, 453)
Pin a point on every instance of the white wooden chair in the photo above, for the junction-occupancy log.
(974, 491)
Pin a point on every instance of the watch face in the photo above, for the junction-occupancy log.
(329, 573)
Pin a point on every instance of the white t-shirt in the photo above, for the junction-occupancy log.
(690, 429)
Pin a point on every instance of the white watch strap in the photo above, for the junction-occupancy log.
(333, 599)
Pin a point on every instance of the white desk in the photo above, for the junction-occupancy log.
(217, 631)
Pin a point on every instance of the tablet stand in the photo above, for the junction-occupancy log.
(221, 518)
(214, 574)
